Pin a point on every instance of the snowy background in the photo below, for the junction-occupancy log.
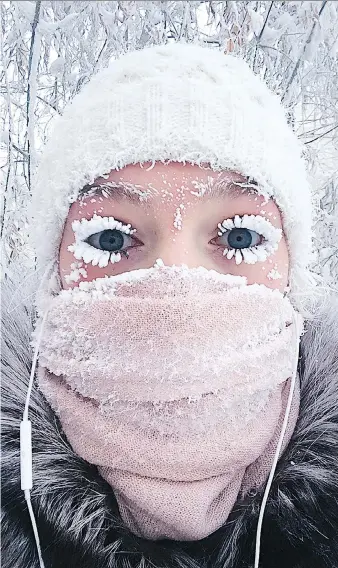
(49, 49)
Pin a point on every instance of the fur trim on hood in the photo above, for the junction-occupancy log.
(76, 512)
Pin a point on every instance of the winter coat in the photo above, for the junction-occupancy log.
(76, 511)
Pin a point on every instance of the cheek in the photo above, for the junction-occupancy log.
(273, 273)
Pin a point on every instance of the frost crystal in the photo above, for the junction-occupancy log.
(76, 273)
(274, 274)
(178, 219)
(159, 263)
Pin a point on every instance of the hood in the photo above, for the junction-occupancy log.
(76, 511)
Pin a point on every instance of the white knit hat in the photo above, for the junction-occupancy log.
(174, 102)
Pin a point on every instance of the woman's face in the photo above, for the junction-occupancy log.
(175, 220)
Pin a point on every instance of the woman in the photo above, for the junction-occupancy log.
(180, 355)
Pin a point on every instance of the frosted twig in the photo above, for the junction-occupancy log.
(34, 53)
(302, 51)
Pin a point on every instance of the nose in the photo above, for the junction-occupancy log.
(179, 250)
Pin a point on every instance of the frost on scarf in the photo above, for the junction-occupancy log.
(174, 382)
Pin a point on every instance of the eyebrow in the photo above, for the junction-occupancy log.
(136, 194)
(118, 191)
(231, 188)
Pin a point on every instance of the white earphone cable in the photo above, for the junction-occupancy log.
(278, 449)
(35, 530)
(26, 464)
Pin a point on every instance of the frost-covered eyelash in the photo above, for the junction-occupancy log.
(83, 228)
(261, 225)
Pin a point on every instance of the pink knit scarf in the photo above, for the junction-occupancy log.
(174, 382)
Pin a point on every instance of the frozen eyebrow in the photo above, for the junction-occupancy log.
(119, 191)
(135, 193)
(227, 188)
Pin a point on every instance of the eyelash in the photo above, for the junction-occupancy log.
(85, 229)
(258, 224)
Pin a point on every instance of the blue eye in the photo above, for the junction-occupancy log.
(111, 240)
(248, 238)
(241, 238)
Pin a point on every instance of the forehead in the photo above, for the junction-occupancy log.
(144, 183)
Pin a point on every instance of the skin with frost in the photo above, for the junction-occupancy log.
(177, 222)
